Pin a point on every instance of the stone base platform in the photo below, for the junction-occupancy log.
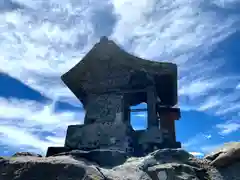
(108, 135)
(113, 136)
(138, 151)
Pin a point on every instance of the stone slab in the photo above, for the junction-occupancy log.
(98, 135)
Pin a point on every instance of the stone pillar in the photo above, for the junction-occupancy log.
(167, 124)
(151, 105)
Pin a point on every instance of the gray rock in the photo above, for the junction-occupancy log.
(52, 168)
(172, 171)
(172, 155)
(103, 157)
(226, 155)
(172, 164)
(230, 172)
(26, 154)
(166, 164)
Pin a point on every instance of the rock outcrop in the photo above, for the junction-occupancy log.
(227, 160)
(226, 155)
(164, 164)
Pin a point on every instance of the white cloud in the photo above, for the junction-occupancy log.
(199, 138)
(208, 136)
(210, 148)
(23, 124)
(141, 115)
(197, 88)
(34, 113)
(198, 154)
(228, 127)
(238, 86)
(200, 144)
(232, 107)
(182, 32)
(38, 51)
(204, 141)
(44, 40)
(168, 30)
(210, 103)
(18, 137)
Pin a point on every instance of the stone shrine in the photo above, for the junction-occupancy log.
(108, 81)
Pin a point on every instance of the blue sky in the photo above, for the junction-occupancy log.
(41, 40)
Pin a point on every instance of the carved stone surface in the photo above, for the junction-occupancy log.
(98, 135)
(151, 135)
(103, 108)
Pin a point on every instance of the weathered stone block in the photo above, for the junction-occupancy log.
(151, 135)
(103, 107)
(109, 135)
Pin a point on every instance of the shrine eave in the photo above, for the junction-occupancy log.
(165, 73)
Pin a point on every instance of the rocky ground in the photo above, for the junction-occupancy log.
(166, 164)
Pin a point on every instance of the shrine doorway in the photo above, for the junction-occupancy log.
(139, 117)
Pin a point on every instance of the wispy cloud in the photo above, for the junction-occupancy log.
(199, 138)
(9, 5)
(20, 138)
(238, 86)
(34, 125)
(228, 127)
(207, 149)
(34, 113)
(57, 35)
(44, 39)
(141, 115)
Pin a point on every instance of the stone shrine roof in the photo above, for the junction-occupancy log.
(107, 67)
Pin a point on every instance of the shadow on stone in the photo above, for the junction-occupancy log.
(51, 151)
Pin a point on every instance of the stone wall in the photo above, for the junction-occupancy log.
(109, 76)
(103, 107)
(151, 135)
(109, 135)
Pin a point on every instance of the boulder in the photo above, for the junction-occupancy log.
(172, 164)
(26, 154)
(168, 154)
(165, 164)
(175, 171)
(52, 168)
(103, 157)
(226, 155)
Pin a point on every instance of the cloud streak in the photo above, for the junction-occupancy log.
(44, 39)
(173, 30)
(228, 127)
(30, 124)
